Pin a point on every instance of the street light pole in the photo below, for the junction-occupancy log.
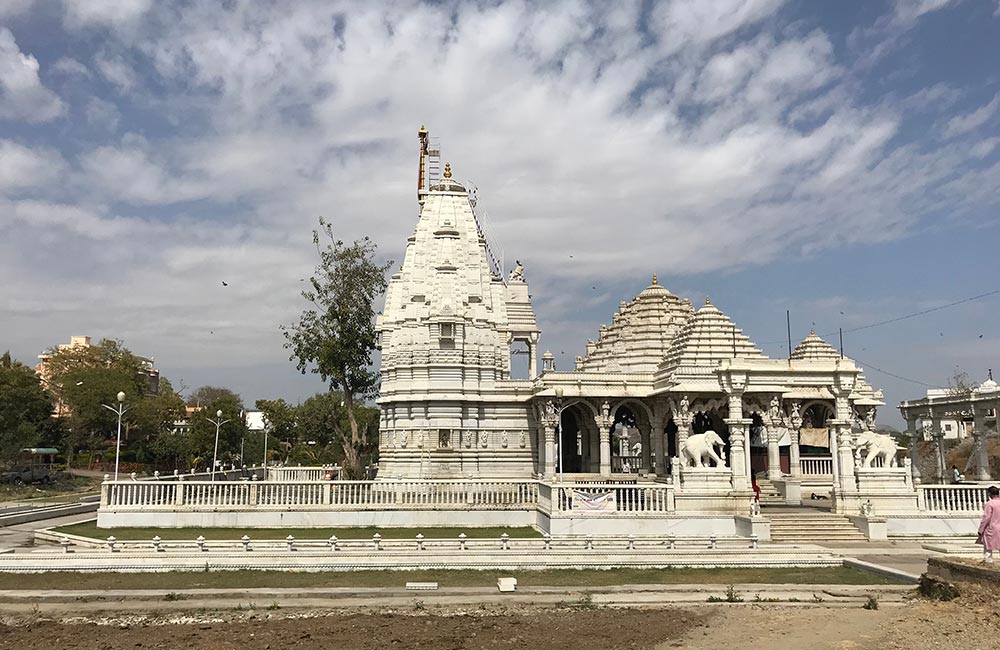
(218, 422)
(120, 411)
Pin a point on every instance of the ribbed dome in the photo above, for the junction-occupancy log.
(814, 348)
(654, 289)
(640, 333)
(707, 338)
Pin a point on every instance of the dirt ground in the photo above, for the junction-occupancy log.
(971, 623)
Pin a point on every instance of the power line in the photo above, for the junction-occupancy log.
(903, 317)
(892, 374)
(922, 312)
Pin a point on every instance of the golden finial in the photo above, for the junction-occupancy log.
(654, 278)
(707, 301)
(423, 129)
(447, 170)
(812, 331)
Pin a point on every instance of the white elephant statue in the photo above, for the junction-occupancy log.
(701, 445)
(877, 445)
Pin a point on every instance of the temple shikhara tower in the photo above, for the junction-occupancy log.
(449, 408)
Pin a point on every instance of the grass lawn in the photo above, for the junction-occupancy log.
(446, 578)
(66, 490)
(90, 529)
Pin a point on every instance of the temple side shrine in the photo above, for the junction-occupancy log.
(666, 392)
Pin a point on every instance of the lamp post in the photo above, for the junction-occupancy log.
(120, 411)
(218, 422)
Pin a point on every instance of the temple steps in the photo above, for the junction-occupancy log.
(811, 526)
(769, 494)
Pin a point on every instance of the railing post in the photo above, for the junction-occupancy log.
(105, 492)
(179, 494)
(921, 498)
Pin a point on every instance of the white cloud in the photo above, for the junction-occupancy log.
(22, 95)
(114, 69)
(111, 13)
(907, 11)
(13, 8)
(961, 124)
(23, 168)
(722, 138)
(70, 67)
(697, 23)
(129, 174)
(103, 114)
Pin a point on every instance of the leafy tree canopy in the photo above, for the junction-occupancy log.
(25, 408)
(335, 337)
(208, 394)
(231, 432)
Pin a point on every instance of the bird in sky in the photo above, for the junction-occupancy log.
(225, 284)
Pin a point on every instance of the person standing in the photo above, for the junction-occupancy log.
(989, 527)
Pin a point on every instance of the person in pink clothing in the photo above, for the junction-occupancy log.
(989, 527)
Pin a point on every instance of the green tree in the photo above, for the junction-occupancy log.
(280, 423)
(151, 420)
(335, 337)
(85, 391)
(85, 377)
(25, 408)
(209, 394)
(231, 434)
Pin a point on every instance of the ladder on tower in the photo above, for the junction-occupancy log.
(433, 162)
(494, 251)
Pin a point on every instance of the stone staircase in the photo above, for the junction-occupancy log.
(769, 495)
(790, 525)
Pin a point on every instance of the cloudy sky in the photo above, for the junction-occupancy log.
(837, 159)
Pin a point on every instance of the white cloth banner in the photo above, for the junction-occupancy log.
(595, 501)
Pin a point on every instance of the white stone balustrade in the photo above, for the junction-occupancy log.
(952, 498)
(123, 496)
(635, 498)
(285, 474)
(816, 465)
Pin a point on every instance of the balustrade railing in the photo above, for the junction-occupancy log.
(303, 473)
(816, 465)
(590, 497)
(327, 495)
(952, 498)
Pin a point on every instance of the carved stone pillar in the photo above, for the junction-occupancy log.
(738, 443)
(603, 422)
(550, 450)
(773, 452)
(845, 445)
(794, 461)
(911, 428)
(982, 459)
(942, 465)
(658, 424)
(533, 356)
(605, 448)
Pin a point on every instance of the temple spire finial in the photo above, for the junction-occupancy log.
(812, 331)
(654, 278)
(447, 170)
(708, 301)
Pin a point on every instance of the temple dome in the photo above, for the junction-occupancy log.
(707, 338)
(813, 348)
(640, 333)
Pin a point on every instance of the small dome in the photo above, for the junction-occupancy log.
(654, 289)
(814, 348)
